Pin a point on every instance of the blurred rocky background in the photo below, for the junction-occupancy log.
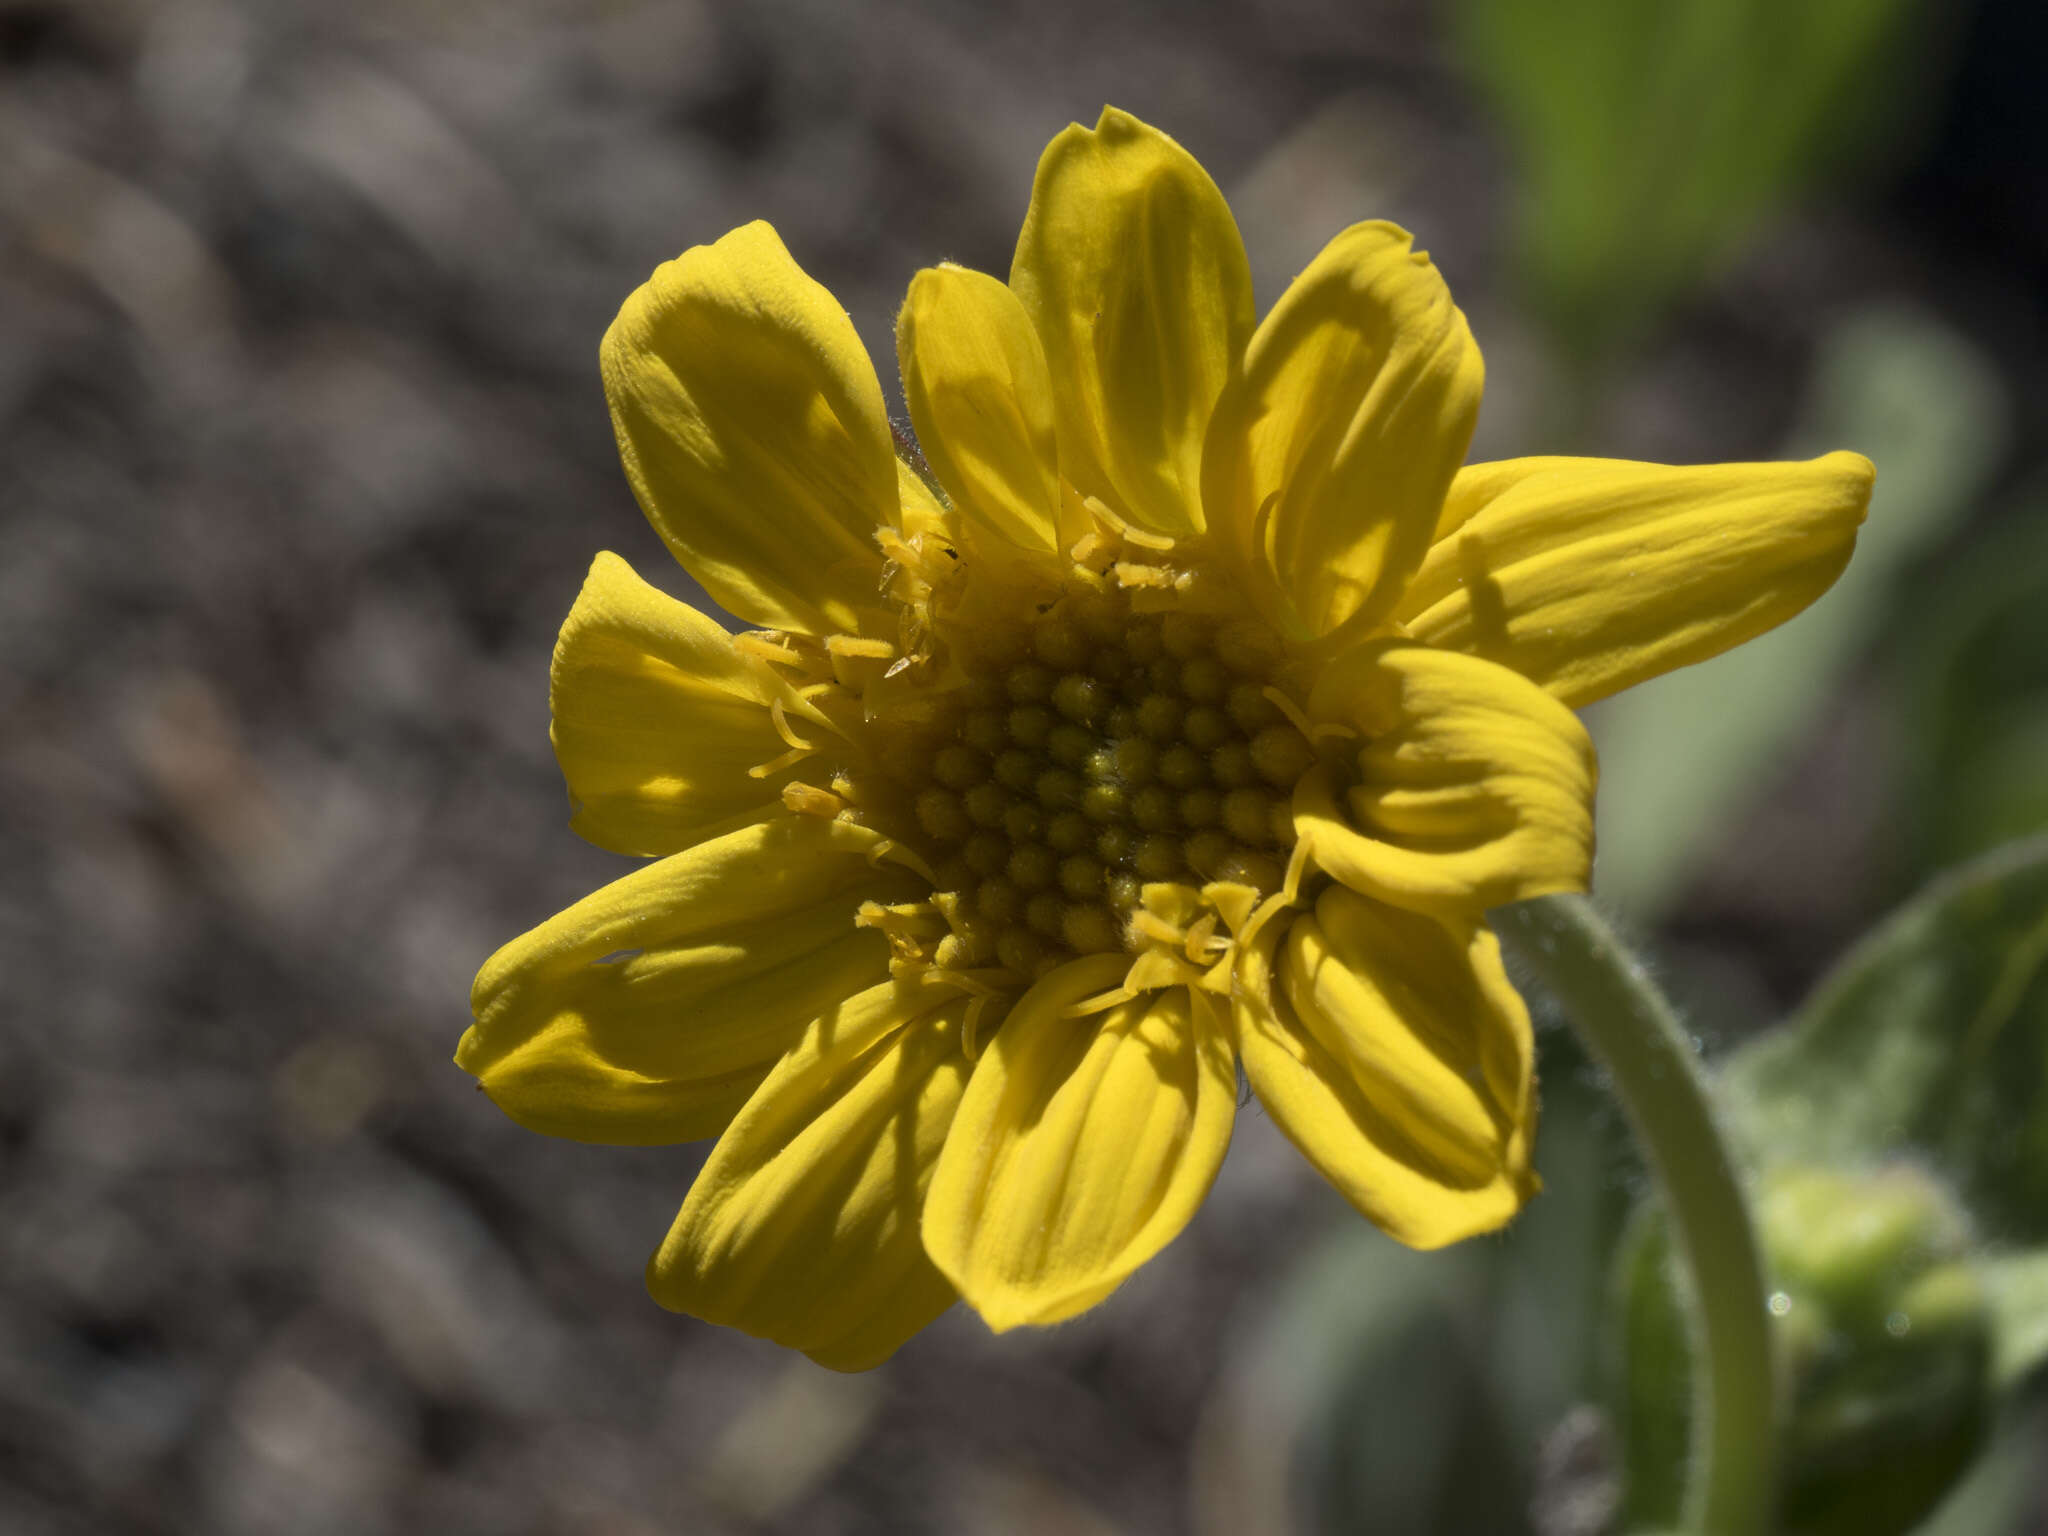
(303, 456)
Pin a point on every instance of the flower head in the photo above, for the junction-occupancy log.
(1184, 705)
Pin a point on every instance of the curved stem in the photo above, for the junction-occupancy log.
(1635, 1034)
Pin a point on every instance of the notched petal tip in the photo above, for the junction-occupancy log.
(634, 672)
(1131, 269)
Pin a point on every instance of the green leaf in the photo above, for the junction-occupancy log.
(2017, 1284)
(1653, 138)
(1972, 654)
(1992, 1499)
(1651, 1393)
(1930, 1042)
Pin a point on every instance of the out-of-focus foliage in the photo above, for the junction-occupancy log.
(1654, 136)
(1430, 1394)
(1679, 755)
(1930, 1041)
(1923, 1057)
(1881, 1329)
(1973, 655)
(1896, 1123)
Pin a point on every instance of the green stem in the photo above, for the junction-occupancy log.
(1634, 1033)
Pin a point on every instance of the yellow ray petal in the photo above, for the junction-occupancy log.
(1590, 575)
(1131, 269)
(1472, 787)
(657, 719)
(1328, 460)
(754, 433)
(803, 1225)
(1082, 1145)
(1390, 1048)
(980, 397)
(647, 1012)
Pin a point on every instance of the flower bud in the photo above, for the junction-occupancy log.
(1882, 1332)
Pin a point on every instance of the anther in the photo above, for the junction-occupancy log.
(1020, 949)
(1281, 755)
(1031, 724)
(1159, 716)
(1183, 636)
(1104, 802)
(1079, 697)
(1136, 761)
(1017, 770)
(987, 853)
(1058, 642)
(1248, 705)
(999, 901)
(959, 767)
(1029, 683)
(1207, 851)
(986, 731)
(1045, 912)
(1205, 728)
(1113, 845)
(1023, 823)
(1247, 648)
(941, 814)
(1247, 815)
(1070, 744)
(986, 803)
(1158, 857)
(1033, 867)
(1080, 877)
(1153, 809)
(1231, 766)
(1181, 766)
(1059, 789)
(1091, 930)
(1204, 679)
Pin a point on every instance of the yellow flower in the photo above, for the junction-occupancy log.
(1186, 706)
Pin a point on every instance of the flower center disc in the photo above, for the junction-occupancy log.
(1094, 751)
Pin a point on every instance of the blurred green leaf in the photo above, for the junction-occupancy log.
(1991, 1499)
(1929, 1040)
(1679, 754)
(1653, 137)
(2017, 1284)
(1972, 651)
(1652, 1392)
(1381, 1389)
(1883, 1339)
(1312, 1368)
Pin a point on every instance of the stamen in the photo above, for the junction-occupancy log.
(1101, 1002)
(859, 645)
(768, 646)
(782, 728)
(775, 765)
(809, 800)
(1298, 718)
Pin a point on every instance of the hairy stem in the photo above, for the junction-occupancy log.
(1634, 1033)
